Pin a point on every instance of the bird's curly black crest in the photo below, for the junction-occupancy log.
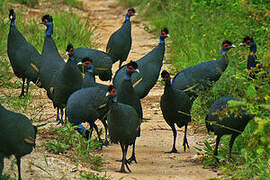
(227, 42)
(165, 30)
(11, 12)
(48, 17)
(132, 9)
(133, 64)
(247, 38)
(164, 73)
(69, 46)
(110, 88)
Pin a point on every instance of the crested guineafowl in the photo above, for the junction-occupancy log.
(222, 121)
(87, 105)
(66, 81)
(127, 95)
(101, 61)
(149, 67)
(17, 137)
(24, 58)
(123, 124)
(51, 61)
(119, 44)
(175, 106)
(252, 58)
(202, 76)
(89, 79)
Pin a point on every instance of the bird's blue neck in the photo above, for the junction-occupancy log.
(114, 99)
(12, 22)
(49, 30)
(127, 18)
(127, 76)
(253, 47)
(162, 40)
(90, 69)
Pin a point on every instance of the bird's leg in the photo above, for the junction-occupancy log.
(126, 162)
(216, 148)
(133, 157)
(1, 164)
(19, 167)
(27, 85)
(174, 139)
(96, 128)
(65, 115)
(231, 144)
(57, 114)
(120, 63)
(123, 158)
(106, 142)
(22, 93)
(62, 114)
(185, 142)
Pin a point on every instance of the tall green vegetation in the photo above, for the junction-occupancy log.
(197, 29)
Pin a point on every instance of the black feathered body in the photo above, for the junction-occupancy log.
(123, 123)
(149, 67)
(51, 64)
(24, 58)
(172, 101)
(119, 44)
(66, 81)
(201, 76)
(89, 81)
(15, 129)
(219, 117)
(86, 105)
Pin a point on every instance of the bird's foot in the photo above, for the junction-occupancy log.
(132, 158)
(172, 151)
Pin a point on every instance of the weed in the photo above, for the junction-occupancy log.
(93, 176)
(67, 139)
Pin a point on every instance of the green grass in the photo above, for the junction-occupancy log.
(66, 139)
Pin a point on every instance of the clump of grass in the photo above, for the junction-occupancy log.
(74, 3)
(93, 176)
(68, 140)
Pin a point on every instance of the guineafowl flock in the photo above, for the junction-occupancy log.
(72, 88)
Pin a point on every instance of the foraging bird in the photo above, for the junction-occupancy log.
(89, 79)
(123, 124)
(222, 121)
(17, 137)
(88, 105)
(252, 58)
(175, 106)
(149, 67)
(127, 95)
(119, 44)
(101, 61)
(24, 58)
(202, 76)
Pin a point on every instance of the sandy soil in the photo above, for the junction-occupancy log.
(156, 137)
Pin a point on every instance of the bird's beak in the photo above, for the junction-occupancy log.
(233, 46)
(10, 17)
(107, 94)
(135, 14)
(137, 70)
(79, 63)
(241, 44)
(168, 35)
(66, 52)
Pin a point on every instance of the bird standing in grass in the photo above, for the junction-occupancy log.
(119, 44)
(123, 124)
(222, 121)
(202, 76)
(175, 106)
(24, 58)
(17, 137)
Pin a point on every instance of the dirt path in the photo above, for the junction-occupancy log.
(156, 136)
